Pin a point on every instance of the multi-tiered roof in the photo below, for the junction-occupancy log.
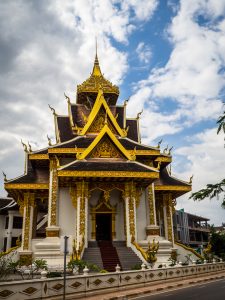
(97, 141)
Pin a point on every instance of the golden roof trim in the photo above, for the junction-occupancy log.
(69, 173)
(100, 101)
(172, 188)
(164, 159)
(66, 150)
(38, 156)
(106, 130)
(27, 186)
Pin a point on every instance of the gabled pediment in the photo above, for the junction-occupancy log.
(106, 145)
(99, 115)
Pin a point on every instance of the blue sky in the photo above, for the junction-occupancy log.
(167, 56)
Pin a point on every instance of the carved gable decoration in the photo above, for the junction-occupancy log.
(99, 123)
(105, 149)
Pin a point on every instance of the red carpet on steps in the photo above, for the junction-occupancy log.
(109, 256)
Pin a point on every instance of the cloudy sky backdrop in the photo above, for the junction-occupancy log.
(167, 56)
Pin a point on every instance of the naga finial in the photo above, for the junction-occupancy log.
(4, 175)
(24, 146)
(139, 114)
(165, 150)
(29, 145)
(53, 110)
(159, 143)
(67, 98)
(49, 140)
(191, 179)
(126, 101)
(169, 152)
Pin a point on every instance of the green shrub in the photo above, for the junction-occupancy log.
(136, 267)
(54, 274)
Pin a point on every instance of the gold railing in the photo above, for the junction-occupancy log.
(190, 249)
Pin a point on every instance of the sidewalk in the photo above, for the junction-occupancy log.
(152, 289)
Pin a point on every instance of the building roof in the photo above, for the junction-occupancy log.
(64, 127)
(107, 165)
(133, 129)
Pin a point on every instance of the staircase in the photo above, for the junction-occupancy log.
(127, 257)
(92, 254)
(109, 255)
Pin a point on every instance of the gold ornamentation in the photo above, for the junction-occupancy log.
(101, 104)
(105, 131)
(167, 200)
(119, 174)
(164, 158)
(27, 186)
(103, 206)
(107, 186)
(38, 156)
(151, 205)
(145, 152)
(105, 149)
(96, 81)
(152, 251)
(28, 203)
(65, 150)
(82, 195)
(53, 191)
(52, 233)
(172, 188)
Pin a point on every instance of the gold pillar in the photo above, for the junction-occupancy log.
(28, 210)
(130, 205)
(152, 228)
(168, 203)
(53, 230)
(82, 203)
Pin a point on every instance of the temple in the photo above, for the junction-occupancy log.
(97, 183)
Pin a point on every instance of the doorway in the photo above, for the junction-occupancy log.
(103, 227)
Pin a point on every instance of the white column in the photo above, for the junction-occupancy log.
(9, 231)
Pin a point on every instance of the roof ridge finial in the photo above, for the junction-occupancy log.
(96, 51)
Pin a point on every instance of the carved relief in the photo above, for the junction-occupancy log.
(105, 149)
(53, 191)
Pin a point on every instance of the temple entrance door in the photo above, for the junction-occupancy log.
(103, 227)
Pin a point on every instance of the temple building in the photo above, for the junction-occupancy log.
(97, 183)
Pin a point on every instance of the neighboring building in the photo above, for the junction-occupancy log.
(190, 229)
(97, 183)
(11, 223)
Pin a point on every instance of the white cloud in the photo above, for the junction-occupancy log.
(48, 47)
(144, 52)
(203, 159)
(192, 77)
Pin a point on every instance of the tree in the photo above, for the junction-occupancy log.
(213, 190)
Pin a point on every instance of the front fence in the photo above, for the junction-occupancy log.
(82, 285)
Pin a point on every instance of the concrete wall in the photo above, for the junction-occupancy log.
(82, 286)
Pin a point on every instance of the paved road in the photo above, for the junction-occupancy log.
(208, 291)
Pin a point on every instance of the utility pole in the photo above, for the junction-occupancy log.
(64, 271)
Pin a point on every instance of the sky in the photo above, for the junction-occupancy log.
(167, 57)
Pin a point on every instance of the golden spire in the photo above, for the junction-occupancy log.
(96, 68)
